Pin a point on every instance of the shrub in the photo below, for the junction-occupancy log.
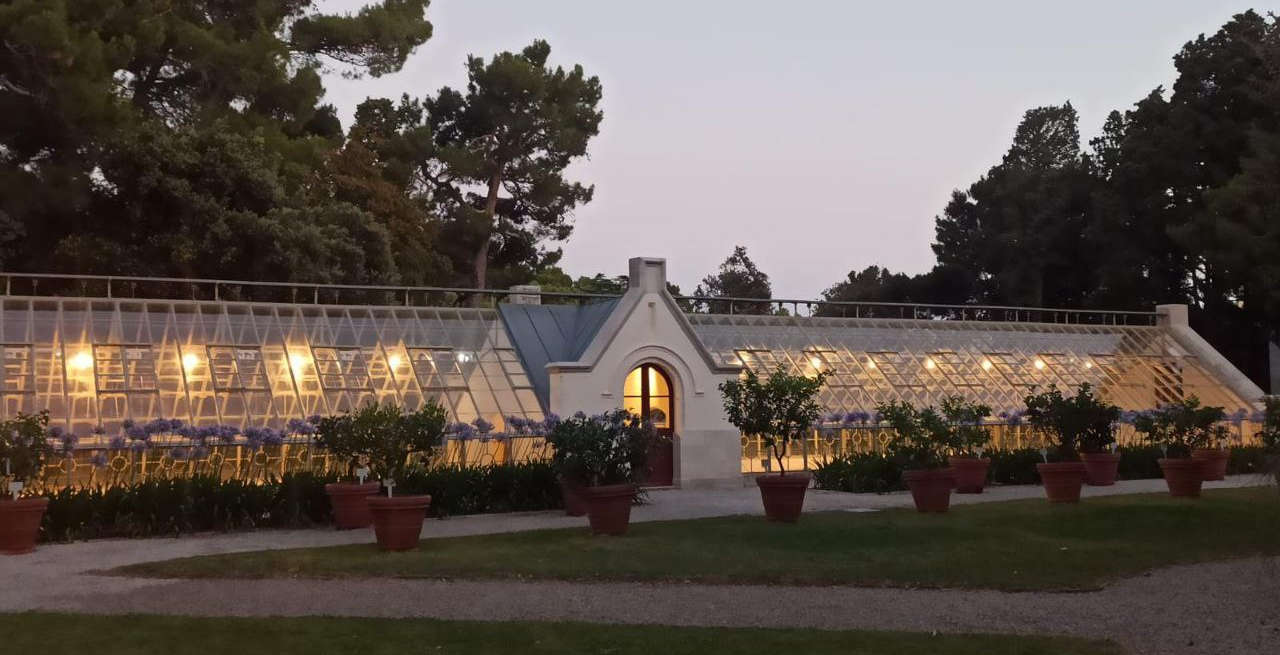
(1180, 427)
(458, 490)
(392, 441)
(610, 448)
(921, 437)
(859, 473)
(1016, 466)
(964, 420)
(24, 445)
(1080, 422)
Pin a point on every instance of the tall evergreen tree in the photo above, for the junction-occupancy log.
(738, 277)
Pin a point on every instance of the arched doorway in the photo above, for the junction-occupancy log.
(648, 392)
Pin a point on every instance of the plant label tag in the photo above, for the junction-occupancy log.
(390, 485)
(362, 473)
(15, 488)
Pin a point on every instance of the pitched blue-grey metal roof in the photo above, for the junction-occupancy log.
(552, 333)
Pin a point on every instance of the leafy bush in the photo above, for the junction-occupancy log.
(24, 445)
(964, 420)
(610, 448)
(296, 500)
(458, 490)
(1180, 427)
(859, 473)
(1080, 422)
(197, 504)
(393, 442)
(869, 472)
(921, 437)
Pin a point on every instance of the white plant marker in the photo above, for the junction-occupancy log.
(1044, 454)
(362, 473)
(389, 484)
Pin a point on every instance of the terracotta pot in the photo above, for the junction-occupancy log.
(783, 495)
(1062, 481)
(20, 524)
(971, 473)
(397, 521)
(609, 508)
(350, 504)
(574, 505)
(931, 488)
(1215, 462)
(1183, 475)
(1100, 468)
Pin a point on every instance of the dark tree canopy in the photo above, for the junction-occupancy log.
(500, 153)
(738, 277)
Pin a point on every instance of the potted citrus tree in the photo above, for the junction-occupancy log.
(1074, 423)
(347, 438)
(921, 440)
(964, 419)
(24, 445)
(1179, 428)
(778, 410)
(603, 458)
(398, 443)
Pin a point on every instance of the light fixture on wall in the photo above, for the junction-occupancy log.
(81, 361)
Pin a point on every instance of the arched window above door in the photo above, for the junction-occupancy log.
(647, 392)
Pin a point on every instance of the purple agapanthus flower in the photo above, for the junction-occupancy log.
(57, 431)
(272, 437)
(462, 431)
(117, 443)
(136, 433)
(482, 426)
(69, 442)
(127, 424)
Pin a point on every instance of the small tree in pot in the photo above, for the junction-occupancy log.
(347, 438)
(1216, 452)
(921, 440)
(964, 419)
(24, 447)
(778, 411)
(603, 458)
(396, 443)
(1083, 422)
(1179, 428)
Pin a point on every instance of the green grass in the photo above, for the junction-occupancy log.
(1022, 545)
(75, 634)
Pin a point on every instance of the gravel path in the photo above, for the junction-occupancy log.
(1221, 608)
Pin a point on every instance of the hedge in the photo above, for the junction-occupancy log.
(295, 500)
(867, 472)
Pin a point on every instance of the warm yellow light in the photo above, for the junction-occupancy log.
(871, 363)
(987, 365)
(298, 361)
(930, 364)
(394, 362)
(82, 361)
(1088, 364)
(815, 362)
(1039, 364)
(190, 361)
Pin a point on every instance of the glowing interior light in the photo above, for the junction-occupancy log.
(1088, 364)
(1039, 364)
(871, 363)
(190, 361)
(82, 361)
(393, 361)
(815, 362)
(930, 364)
(298, 361)
(464, 357)
(987, 365)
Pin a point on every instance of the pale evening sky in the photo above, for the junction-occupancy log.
(823, 135)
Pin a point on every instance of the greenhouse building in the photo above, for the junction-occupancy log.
(107, 356)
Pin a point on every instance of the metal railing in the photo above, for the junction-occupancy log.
(200, 289)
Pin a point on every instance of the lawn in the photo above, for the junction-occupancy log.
(1021, 545)
(75, 634)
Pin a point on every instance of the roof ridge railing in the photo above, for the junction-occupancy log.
(118, 287)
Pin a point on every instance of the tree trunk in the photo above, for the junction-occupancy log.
(481, 262)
